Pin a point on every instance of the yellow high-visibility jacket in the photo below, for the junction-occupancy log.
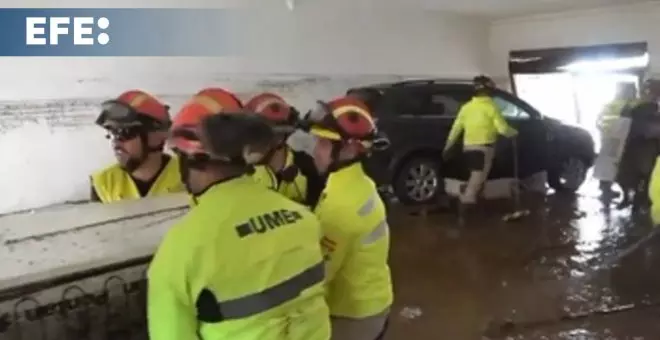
(613, 111)
(114, 183)
(304, 187)
(654, 192)
(356, 244)
(245, 263)
(480, 120)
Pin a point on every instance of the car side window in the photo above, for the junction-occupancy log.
(410, 103)
(426, 103)
(442, 104)
(511, 110)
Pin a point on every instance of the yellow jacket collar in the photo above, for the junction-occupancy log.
(228, 185)
(350, 171)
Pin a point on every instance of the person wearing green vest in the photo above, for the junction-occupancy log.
(479, 121)
(137, 125)
(245, 263)
(625, 99)
(356, 239)
(291, 173)
(642, 145)
(654, 192)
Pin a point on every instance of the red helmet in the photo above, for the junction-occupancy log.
(185, 132)
(343, 119)
(223, 97)
(135, 108)
(273, 108)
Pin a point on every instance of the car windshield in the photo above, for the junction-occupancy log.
(509, 109)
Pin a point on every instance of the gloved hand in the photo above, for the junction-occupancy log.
(512, 133)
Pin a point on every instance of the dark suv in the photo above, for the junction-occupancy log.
(417, 116)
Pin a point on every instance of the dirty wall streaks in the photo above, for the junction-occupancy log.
(42, 139)
(73, 112)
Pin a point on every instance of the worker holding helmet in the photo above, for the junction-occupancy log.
(292, 173)
(245, 262)
(356, 237)
(137, 125)
(479, 121)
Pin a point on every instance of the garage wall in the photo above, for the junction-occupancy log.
(49, 145)
(632, 23)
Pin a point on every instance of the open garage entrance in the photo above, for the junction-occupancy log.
(575, 84)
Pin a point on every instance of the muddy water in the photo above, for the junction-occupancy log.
(550, 275)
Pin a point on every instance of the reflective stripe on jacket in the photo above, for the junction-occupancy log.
(356, 244)
(114, 183)
(244, 264)
(480, 120)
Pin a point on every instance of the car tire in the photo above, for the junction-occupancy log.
(418, 181)
(569, 175)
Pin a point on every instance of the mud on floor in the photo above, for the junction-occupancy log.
(547, 276)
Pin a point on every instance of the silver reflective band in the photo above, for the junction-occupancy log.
(368, 206)
(274, 296)
(377, 233)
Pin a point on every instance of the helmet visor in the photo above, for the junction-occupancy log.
(117, 113)
(123, 133)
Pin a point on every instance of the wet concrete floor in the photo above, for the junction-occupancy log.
(550, 275)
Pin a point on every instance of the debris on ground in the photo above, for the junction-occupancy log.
(411, 312)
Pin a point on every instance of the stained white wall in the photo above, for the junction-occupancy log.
(631, 23)
(47, 105)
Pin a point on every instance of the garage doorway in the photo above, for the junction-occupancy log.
(574, 85)
(574, 98)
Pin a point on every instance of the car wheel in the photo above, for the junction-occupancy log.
(570, 175)
(418, 181)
